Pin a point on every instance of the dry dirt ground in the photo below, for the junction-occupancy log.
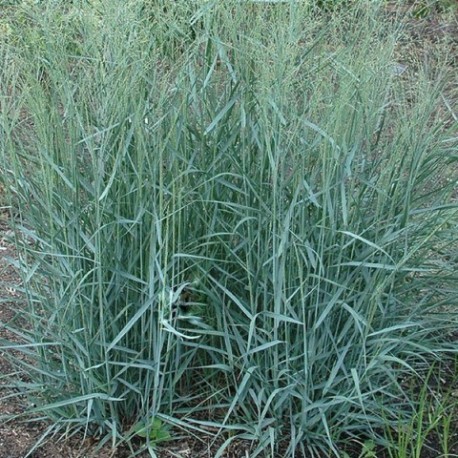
(18, 437)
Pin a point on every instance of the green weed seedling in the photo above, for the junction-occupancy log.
(152, 428)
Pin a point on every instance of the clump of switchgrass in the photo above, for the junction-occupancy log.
(241, 228)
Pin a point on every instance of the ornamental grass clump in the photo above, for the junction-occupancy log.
(239, 237)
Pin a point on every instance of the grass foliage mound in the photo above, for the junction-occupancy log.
(229, 219)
